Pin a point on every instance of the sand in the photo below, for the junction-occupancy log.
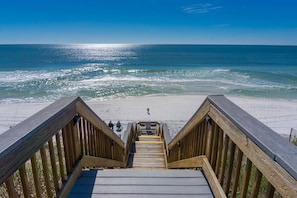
(175, 110)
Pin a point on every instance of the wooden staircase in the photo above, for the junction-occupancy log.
(148, 152)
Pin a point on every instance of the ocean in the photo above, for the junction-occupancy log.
(44, 73)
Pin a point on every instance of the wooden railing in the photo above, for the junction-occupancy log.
(43, 156)
(236, 152)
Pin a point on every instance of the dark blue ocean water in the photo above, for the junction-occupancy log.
(43, 73)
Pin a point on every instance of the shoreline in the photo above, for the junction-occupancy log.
(175, 110)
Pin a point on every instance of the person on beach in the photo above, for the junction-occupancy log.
(148, 111)
(118, 126)
(110, 125)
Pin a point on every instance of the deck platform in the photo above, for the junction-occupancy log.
(141, 183)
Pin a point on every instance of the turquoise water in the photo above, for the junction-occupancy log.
(44, 73)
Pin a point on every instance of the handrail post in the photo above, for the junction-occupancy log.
(112, 149)
(77, 150)
(209, 137)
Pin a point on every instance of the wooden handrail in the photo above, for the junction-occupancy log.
(61, 139)
(235, 143)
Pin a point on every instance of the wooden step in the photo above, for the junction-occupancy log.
(149, 160)
(141, 183)
(148, 153)
(149, 138)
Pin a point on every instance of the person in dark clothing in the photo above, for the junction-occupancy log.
(110, 125)
(118, 126)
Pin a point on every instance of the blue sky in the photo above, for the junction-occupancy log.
(149, 21)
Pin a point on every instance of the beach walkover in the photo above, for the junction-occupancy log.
(66, 150)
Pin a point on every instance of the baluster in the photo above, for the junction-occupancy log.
(36, 176)
(66, 150)
(46, 172)
(214, 145)
(220, 150)
(210, 129)
(224, 161)
(237, 172)
(246, 178)
(270, 191)
(230, 168)
(24, 179)
(54, 165)
(10, 187)
(257, 183)
(60, 156)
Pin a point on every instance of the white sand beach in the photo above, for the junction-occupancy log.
(175, 110)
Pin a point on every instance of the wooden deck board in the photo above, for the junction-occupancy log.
(142, 173)
(141, 183)
(136, 196)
